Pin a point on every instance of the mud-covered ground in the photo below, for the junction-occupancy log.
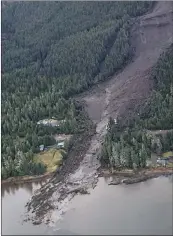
(151, 35)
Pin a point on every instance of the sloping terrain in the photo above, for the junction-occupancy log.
(53, 51)
(151, 35)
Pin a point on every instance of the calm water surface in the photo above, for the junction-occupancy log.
(144, 208)
(14, 199)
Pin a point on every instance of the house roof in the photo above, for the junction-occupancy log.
(61, 144)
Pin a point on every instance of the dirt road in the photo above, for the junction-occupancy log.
(151, 35)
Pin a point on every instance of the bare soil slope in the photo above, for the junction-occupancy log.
(151, 35)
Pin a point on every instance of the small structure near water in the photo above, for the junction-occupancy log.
(165, 159)
(162, 162)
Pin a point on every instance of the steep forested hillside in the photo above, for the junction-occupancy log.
(158, 110)
(130, 145)
(51, 51)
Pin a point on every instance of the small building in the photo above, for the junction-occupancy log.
(60, 145)
(48, 122)
(41, 147)
(162, 162)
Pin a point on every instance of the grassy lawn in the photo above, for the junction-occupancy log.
(170, 165)
(167, 154)
(52, 158)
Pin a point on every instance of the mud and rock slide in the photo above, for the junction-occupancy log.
(151, 35)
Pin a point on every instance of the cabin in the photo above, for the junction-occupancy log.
(165, 159)
(162, 162)
(51, 122)
(48, 122)
(60, 145)
(41, 147)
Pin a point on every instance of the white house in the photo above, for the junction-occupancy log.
(48, 122)
(41, 147)
(60, 145)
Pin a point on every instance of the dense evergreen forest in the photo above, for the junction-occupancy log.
(129, 144)
(51, 51)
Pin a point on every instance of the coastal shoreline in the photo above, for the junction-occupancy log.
(25, 179)
(124, 176)
(132, 177)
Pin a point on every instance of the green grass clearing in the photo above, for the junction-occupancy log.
(170, 165)
(52, 158)
(167, 154)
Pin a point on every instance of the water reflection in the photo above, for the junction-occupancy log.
(14, 199)
(11, 189)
